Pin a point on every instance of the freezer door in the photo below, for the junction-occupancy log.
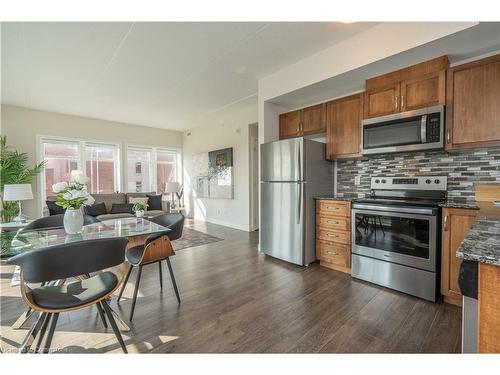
(282, 160)
(282, 213)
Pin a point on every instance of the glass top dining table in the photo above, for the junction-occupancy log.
(13, 243)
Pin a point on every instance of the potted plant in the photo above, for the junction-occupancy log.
(14, 169)
(139, 209)
(72, 196)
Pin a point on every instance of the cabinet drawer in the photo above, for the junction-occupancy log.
(334, 208)
(337, 223)
(335, 253)
(334, 236)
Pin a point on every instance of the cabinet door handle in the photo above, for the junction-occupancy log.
(445, 223)
(402, 101)
(396, 102)
(448, 136)
(332, 253)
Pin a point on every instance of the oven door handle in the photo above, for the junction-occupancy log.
(421, 211)
(423, 129)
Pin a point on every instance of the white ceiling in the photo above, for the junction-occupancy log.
(163, 75)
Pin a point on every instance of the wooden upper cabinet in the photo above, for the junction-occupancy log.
(310, 120)
(417, 86)
(381, 101)
(456, 224)
(473, 104)
(289, 124)
(343, 118)
(425, 91)
(314, 119)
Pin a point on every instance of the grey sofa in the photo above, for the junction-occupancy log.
(109, 199)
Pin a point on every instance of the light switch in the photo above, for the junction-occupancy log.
(357, 180)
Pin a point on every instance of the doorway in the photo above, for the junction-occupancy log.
(253, 139)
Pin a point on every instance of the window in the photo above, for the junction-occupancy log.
(166, 169)
(100, 162)
(60, 159)
(150, 168)
(101, 167)
(138, 170)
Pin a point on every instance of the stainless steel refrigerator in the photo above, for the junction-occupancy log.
(293, 172)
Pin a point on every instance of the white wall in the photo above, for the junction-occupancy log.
(22, 125)
(227, 128)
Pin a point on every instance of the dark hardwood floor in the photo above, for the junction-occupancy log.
(235, 300)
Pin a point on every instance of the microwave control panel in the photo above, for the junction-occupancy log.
(433, 128)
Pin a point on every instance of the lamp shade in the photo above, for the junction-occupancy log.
(17, 192)
(172, 187)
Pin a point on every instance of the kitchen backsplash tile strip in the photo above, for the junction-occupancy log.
(464, 170)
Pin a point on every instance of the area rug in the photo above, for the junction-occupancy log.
(193, 238)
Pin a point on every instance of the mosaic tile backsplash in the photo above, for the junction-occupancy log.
(464, 170)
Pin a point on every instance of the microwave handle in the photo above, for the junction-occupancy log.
(423, 129)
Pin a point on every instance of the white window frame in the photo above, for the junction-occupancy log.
(40, 139)
(154, 150)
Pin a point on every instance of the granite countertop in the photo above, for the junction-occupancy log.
(482, 243)
(451, 203)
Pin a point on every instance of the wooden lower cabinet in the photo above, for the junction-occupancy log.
(455, 226)
(489, 308)
(333, 234)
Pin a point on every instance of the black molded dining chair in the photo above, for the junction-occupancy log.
(55, 221)
(51, 266)
(156, 249)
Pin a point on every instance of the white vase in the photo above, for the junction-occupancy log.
(139, 213)
(73, 221)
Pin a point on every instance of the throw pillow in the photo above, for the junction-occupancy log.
(121, 208)
(141, 200)
(54, 209)
(96, 209)
(154, 202)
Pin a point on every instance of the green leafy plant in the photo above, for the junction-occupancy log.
(139, 207)
(14, 169)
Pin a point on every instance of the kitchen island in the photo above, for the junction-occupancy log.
(482, 245)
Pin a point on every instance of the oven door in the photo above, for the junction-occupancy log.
(403, 238)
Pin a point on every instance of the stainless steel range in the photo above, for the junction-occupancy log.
(396, 234)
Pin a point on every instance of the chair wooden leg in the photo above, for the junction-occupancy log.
(137, 281)
(161, 277)
(124, 283)
(42, 332)
(101, 314)
(118, 335)
(51, 333)
(173, 280)
(30, 337)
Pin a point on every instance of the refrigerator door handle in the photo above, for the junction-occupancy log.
(299, 203)
(299, 164)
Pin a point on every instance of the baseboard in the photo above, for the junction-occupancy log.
(223, 223)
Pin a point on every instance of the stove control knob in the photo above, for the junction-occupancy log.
(384, 181)
(437, 181)
(428, 181)
(377, 181)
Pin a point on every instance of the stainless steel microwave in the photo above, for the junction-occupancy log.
(421, 129)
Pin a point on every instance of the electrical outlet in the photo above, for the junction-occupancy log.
(357, 180)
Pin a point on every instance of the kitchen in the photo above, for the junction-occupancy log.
(405, 191)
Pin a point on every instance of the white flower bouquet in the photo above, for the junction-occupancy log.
(73, 195)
